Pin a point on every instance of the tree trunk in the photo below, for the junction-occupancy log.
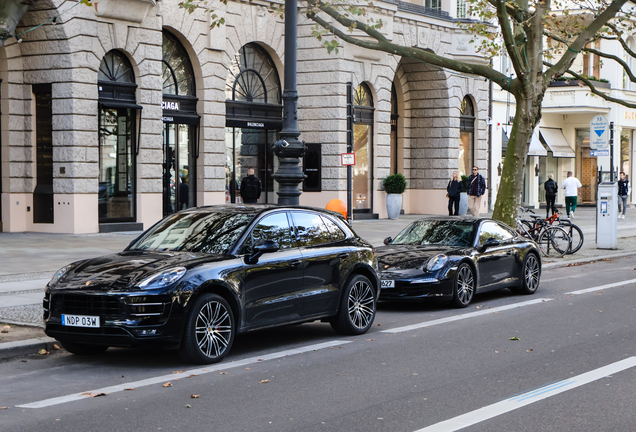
(527, 115)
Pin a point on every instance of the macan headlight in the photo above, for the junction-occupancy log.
(436, 262)
(163, 279)
(59, 274)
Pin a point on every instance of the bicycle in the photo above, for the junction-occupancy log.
(575, 233)
(553, 241)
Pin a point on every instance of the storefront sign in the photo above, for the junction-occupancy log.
(599, 133)
(258, 125)
(630, 115)
(348, 159)
(167, 119)
(173, 106)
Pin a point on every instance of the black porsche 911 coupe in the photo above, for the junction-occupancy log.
(200, 276)
(453, 258)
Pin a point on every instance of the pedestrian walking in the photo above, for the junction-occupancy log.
(551, 189)
(572, 186)
(623, 191)
(250, 188)
(476, 190)
(453, 191)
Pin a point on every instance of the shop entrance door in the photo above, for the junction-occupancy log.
(247, 148)
(179, 163)
(588, 179)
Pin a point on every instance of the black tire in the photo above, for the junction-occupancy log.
(357, 307)
(82, 349)
(464, 286)
(576, 235)
(209, 330)
(531, 274)
(554, 242)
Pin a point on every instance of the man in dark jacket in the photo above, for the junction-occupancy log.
(476, 190)
(623, 192)
(250, 188)
(551, 189)
(453, 191)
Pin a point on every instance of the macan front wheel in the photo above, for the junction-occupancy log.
(357, 307)
(209, 330)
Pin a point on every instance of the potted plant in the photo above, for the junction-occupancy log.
(394, 186)
(463, 197)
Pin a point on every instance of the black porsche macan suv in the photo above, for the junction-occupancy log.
(200, 276)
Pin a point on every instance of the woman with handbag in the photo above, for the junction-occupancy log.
(453, 190)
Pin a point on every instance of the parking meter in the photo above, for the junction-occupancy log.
(607, 215)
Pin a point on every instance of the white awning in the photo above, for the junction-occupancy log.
(536, 148)
(555, 140)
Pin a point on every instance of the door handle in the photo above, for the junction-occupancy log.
(295, 263)
(342, 255)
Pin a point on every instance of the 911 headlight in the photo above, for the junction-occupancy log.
(436, 263)
(162, 279)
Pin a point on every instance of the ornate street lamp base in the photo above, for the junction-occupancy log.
(289, 175)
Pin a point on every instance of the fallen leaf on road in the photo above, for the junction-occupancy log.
(177, 372)
(43, 352)
(130, 388)
(264, 381)
(194, 396)
(415, 374)
(192, 376)
(529, 350)
(477, 307)
(56, 346)
(94, 394)
(247, 368)
(224, 373)
(497, 352)
(600, 311)
(188, 406)
(168, 384)
(3, 407)
(379, 324)
(369, 340)
(513, 338)
(260, 360)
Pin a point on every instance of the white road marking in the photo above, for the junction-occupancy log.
(528, 398)
(185, 374)
(466, 316)
(602, 287)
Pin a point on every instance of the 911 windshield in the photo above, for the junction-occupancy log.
(437, 232)
(213, 233)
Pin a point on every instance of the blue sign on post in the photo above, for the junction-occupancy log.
(599, 133)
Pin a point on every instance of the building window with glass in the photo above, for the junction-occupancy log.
(363, 148)
(117, 131)
(466, 137)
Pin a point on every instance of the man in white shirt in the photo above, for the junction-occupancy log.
(572, 186)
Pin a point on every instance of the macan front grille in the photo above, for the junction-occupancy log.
(79, 304)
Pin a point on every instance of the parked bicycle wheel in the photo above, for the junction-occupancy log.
(576, 235)
(554, 242)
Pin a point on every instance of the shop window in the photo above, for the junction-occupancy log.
(466, 137)
(312, 167)
(363, 148)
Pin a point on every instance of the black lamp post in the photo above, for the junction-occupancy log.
(289, 149)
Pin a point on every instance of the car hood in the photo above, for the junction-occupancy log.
(402, 257)
(123, 270)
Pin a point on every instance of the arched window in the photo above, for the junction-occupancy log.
(117, 138)
(466, 136)
(363, 149)
(178, 78)
(252, 77)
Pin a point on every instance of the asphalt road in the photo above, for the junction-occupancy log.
(573, 368)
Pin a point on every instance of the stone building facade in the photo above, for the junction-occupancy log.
(115, 116)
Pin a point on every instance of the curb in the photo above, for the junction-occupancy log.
(25, 347)
(587, 260)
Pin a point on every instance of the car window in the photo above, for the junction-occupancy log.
(493, 230)
(336, 233)
(437, 232)
(310, 229)
(194, 232)
(272, 227)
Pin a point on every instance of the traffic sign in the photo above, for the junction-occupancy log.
(348, 158)
(599, 133)
(599, 152)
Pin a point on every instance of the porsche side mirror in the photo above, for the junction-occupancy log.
(261, 247)
(388, 240)
(491, 242)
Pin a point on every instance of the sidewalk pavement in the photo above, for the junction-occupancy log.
(30, 259)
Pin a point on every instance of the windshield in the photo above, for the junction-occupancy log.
(437, 232)
(212, 233)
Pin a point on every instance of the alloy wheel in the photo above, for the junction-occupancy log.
(465, 288)
(360, 304)
(531, 273)
(213, 329)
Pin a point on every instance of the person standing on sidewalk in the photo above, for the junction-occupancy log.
(250, 188)
(453, 191)
(572, 186)
(551, 189)
(623, 191)
(476, 189)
